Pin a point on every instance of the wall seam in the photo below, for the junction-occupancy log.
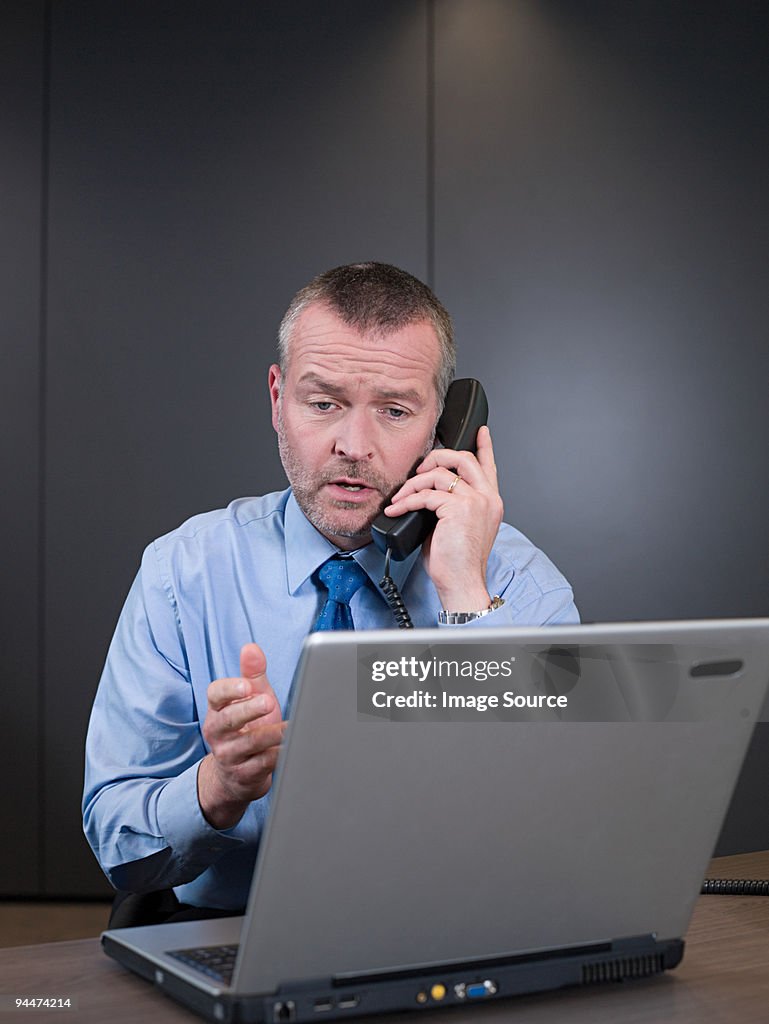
(42, 441)
(430, 142)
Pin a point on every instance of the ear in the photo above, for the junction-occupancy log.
(273, 382)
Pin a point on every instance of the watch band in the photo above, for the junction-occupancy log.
(446, 618)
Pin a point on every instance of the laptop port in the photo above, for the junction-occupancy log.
(321, 1005)
(476, 989)
(348, 1003)
(282, 1012)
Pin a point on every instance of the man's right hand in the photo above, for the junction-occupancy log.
(244, 730)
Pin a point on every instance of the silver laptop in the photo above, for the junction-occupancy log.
(465, 815)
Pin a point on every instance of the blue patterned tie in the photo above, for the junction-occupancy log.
(342, 577)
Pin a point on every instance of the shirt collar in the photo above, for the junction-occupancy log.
(307, 550)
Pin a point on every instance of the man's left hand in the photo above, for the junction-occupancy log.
(462, 490)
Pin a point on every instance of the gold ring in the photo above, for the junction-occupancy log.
(454, 483)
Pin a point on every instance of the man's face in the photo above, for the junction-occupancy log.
(356, 413)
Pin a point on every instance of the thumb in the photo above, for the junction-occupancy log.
(253, 663)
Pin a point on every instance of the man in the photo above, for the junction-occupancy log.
(188, 720)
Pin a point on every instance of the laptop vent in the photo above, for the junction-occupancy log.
(623, 967)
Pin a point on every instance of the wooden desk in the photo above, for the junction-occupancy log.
(724, 977)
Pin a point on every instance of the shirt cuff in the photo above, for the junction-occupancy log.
(195, 843)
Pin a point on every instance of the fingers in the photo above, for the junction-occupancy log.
(239, 714)
(258, 747)
(445, 471)
(463, 463)
(244, 732)
(222, 693)
(461, 489)
(440, 479)
(485, 454)
(479, 470)
(430, 499)
(244, 716)
(244, 746)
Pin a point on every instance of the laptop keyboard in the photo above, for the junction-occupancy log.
(218, 962)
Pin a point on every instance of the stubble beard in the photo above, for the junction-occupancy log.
(307, 487)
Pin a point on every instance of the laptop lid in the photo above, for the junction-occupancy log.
(409, 836)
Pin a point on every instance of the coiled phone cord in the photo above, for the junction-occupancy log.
(393, 597)
(735, 887)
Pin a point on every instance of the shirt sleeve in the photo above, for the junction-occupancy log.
(140, 806)
(535, 592)
(552, 608)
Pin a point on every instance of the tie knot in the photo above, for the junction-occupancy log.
(342, 577)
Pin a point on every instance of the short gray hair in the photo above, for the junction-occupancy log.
(375, 297)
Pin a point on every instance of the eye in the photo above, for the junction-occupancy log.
(395, 414)
(322, 406)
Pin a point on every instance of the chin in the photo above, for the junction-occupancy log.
(354, 527)
(351, 529)
(351, 514)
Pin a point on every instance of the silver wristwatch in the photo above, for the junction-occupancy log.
(446, 618)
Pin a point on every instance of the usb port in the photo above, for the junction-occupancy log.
(323, 1004)
(348, 1003)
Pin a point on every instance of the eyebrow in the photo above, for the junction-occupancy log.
(312, 380)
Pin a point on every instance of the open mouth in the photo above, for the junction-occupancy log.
(350, 489)
(351, 483)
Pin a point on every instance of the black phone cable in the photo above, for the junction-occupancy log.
(735, 887)
(393, 597)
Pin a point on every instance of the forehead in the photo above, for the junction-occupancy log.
(322, 344)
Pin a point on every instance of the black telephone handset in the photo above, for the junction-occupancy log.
(465, 410)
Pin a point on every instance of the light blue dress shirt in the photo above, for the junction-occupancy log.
(220, 580)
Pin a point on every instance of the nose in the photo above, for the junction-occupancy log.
(354, 439)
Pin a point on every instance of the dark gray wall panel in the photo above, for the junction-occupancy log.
(21, 133)
(746, 826)
(600, 233)
(207, 159)
(599, 236)
(601, 211)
